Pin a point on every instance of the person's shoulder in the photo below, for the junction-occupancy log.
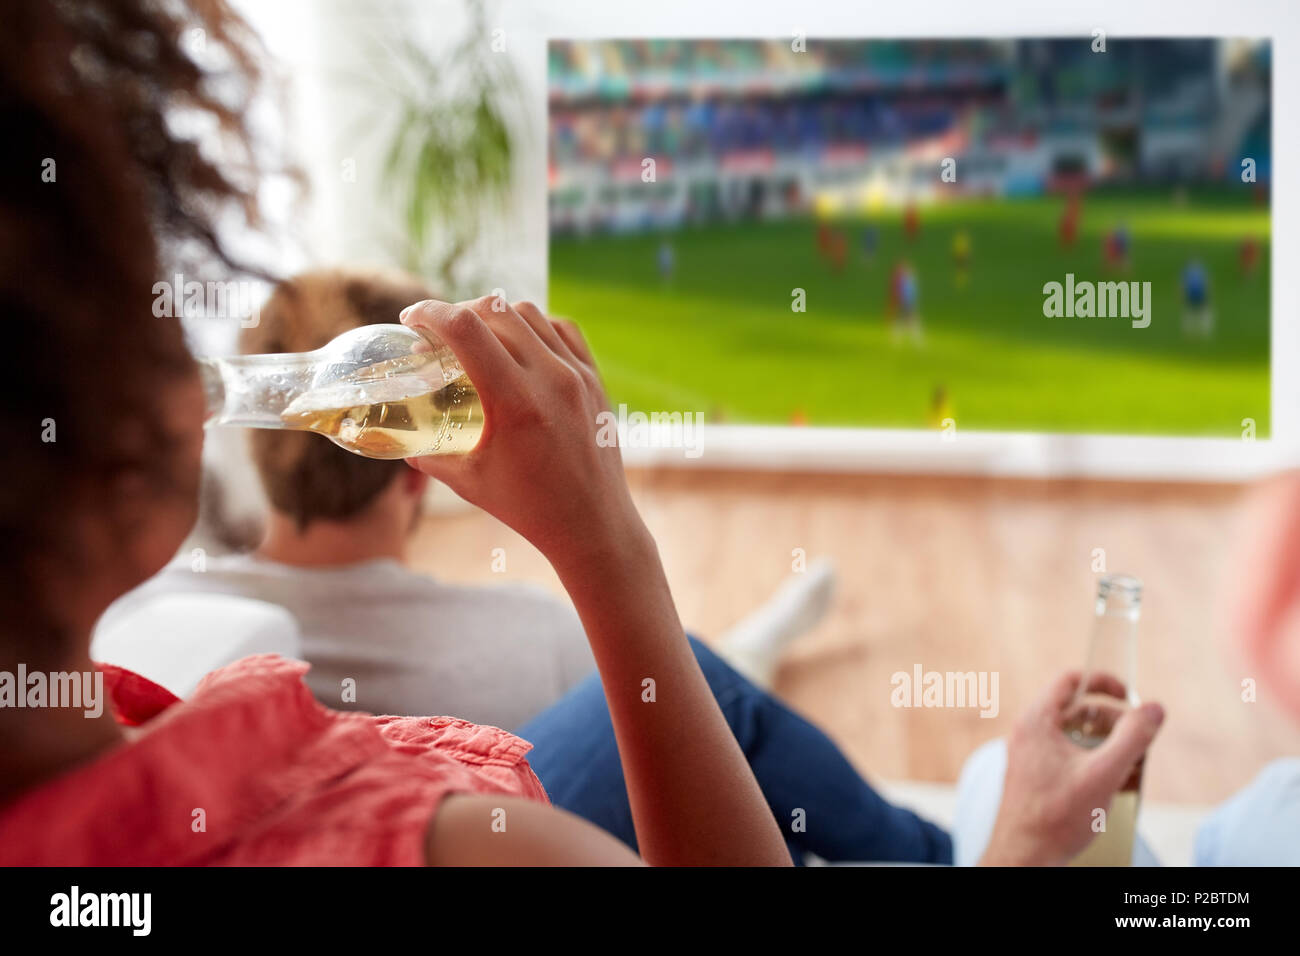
(1278, 784)
(365, 787)
(185, 574)
(467, 742)
(1258, 825)
(251, 572)
(190, 571)
(514, 597)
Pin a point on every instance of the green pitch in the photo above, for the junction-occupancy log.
(719, 336)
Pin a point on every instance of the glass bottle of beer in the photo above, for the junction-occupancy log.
(382, 391)
(1105, 693)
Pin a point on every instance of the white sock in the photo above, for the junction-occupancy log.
(754, 646)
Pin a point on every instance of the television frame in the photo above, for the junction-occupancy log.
(1013, 454)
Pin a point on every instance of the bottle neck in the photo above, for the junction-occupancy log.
(1113, 647)
(214, 389)
(252, 391)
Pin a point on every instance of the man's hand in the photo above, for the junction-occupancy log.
(1053, 785)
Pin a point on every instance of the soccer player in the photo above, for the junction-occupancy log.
(1198, 319)
(870, 239)
(906, 294)
(911, 221)
(961, 255)
(1069, 225)
(666, 260)
(1249, 255)
(837, 250)
(1117, 248)
(823, 236)
(940, 408)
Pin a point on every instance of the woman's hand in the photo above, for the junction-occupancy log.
(1053, 785)
(538, 466)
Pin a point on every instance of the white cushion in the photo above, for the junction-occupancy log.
(175, 639)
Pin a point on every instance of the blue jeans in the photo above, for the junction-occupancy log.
(820, 802)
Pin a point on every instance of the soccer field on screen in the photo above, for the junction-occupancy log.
(718, 334)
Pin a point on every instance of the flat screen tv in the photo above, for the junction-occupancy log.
(949, 236)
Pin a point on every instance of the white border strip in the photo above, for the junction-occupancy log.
(1007, 454)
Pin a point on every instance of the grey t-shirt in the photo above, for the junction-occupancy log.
(493, 655)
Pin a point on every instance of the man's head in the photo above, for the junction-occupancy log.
(306, 477)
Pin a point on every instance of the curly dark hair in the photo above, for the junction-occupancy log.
(100, 197)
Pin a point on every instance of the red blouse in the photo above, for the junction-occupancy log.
(252, 770)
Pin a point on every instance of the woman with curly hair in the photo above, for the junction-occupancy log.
(101, 197)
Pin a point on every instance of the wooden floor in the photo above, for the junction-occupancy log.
(953, 574)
